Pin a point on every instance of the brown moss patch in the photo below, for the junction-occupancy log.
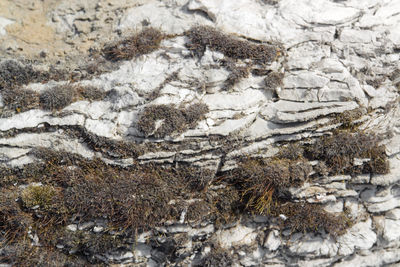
(142, 43)
(203, 36)
(173, 120)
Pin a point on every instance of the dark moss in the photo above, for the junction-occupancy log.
(20, 100)
(173, 120)
(203, 36)
(142, 43)
(273, 80)
(57, 98)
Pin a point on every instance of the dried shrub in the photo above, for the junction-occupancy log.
(109, 147)
(262, 181)
(173, 120)
(20, 100)
(203, 36)
(14, 73)
(292, 151)
(57, 98)
(142, 43)
(273, 80)
(14, 222)
(90, 93)
(348, 117)
(305, 217)
(339, 150)
(216, 257)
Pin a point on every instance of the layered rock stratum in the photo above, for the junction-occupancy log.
(200, 133)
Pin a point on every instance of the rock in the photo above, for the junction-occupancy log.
(314, 246)
(305, 80)
(3, 24)
(272, 242)
(360, 236)
(320, 12)
(236, 236)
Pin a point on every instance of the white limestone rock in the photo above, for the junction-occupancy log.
(359, 236)
(313, 246)
(273, 241)
(3, 24)
(236, 236)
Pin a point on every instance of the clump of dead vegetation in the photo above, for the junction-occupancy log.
(110, 148)
(146, 41)
(273, 80)
(56, 98)
(340, 150)
(204, 36)
(14, 73)
(174, 120)
(60, 96)
(20, 100)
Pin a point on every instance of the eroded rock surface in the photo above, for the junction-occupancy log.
(210, 84)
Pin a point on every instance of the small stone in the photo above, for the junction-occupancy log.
(272, 242)
(72, 227)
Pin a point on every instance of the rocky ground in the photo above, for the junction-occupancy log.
(200, 133)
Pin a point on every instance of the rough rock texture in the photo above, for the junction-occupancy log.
(325, 67)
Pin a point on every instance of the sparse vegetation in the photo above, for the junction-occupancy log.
(139, 44)
(56, 98)
(173, 120)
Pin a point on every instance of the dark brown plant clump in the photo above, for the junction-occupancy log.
(305, 217)
(142, 43)
(20, 100)
(273, 80)
(13, 73)
(90, 93)
(203, 36)
(262, 181)
(348, 117)
(339, 151)
(173, 120)
(216, 257)
(57, 98)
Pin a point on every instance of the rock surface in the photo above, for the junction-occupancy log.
(338, 61)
